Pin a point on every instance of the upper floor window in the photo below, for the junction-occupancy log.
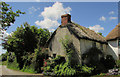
(119, 42)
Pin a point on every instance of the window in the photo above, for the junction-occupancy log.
(119, 42)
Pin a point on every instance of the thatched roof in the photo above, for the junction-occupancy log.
(114, 34)
(81, 33)
(85, 33)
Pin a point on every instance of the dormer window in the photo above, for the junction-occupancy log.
(119, 42)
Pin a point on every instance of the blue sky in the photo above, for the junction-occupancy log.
(99, 16)
(84, 13)
(61, 0)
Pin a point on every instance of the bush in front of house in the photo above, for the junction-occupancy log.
(108, 62)
(118, 63)
(96, 59)
(52, 68)
(58, 67)
(49, 65)
(63, 66)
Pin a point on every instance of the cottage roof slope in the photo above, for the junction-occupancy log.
(81, 33)
(85, 33)
(114, 34)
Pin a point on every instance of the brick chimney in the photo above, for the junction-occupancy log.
(65, 19)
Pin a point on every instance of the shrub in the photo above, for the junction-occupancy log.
(118, 63)
(33, 62)
(4, 56)
(12, 61)
(49, 65)
(108, 62)
(96, 59)
(64, 69)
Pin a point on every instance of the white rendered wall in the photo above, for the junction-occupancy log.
(113, 49)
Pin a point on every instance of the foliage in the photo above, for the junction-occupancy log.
(26, 43)
(7, 15)
(108, 62)
(12, 61)
(118, 63)
(4, 62)
(86, 69)
(64, 69)
(63, 66)
(99, 62)
(100, 34)
(4, 56)
(70, 51)
(49, 65)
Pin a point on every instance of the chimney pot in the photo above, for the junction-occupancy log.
(65, 19)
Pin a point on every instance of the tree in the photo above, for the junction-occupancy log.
(7, 16)
(26, 43)
(4, 56)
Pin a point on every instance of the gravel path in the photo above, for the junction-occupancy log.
(5, 71)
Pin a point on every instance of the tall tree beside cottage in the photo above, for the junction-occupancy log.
(7, 15)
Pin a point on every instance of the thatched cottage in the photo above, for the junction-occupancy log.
(113, 39)
(82, 38)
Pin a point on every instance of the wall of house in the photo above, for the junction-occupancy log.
(85, 45)
(112, 49)
(81, 46)
(55, 45)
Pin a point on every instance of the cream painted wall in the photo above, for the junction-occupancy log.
(55, 46)
(112, 49)
(85, 45)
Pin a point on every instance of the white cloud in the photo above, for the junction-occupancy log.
(55, 11)
(51, 16)
(112, 12)
(33, 9)
(96, 28)
(47, 23)
(102, 18)
(37, 0)
(113, 18)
